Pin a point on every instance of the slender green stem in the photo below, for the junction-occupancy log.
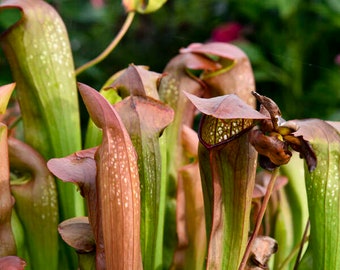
(111, 46)
(304, 238)
(259, 218)
(296, 250)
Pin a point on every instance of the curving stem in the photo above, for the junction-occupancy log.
(111, 46)
(259, 218)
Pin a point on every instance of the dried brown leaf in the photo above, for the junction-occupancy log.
(262, 249)
(270, 146)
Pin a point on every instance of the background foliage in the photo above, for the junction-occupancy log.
(293, 45)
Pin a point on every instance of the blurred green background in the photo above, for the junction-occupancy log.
(294, 45)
